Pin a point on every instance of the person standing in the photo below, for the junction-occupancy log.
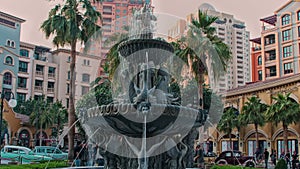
(266, 157)
(257, 155)
(295, 160)
(77, 154)
(273, 157)
(288, 158)
(199, 159)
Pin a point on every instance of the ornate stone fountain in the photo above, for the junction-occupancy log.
(145, 126)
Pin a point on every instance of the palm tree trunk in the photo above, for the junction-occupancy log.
(71, 114)
(256, 135)
(200, 96)
(230, 141)
(285, 138)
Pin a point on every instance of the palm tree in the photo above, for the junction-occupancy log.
(285, 111)
(253, 112)
(112, 56)
(202, 46)
(41, 116)
(228, 122)
(73, 22)
(59, 114)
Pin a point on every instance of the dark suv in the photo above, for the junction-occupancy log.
(235, 158)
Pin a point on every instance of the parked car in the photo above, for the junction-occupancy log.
(235, 158)
(210, 157)
(21, 154)
(54, 152)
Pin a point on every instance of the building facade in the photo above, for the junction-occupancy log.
(276, 53)
(33, 71)
(116, 15)
(233, 33)
(10, 28)
(270, 135)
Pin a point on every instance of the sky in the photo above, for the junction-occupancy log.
(249, 11)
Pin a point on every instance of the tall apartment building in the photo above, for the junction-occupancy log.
(276, 53)
(232, 32)
(10, 27)
(115, 15)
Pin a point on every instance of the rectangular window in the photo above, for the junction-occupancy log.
(50, 87)
(298, 31)
(67, 103)
(50, 99)
(24, 52)
(23, 66)
(51, 72)
(22, 82)
(298, 15)
(86, 62)
(288, 68)
(86, 78)
(107, 20)
(286, 35)
(273, 71)
(84, 90)
(286, 19)
(287, 51)
(68, 88)
(38, 85)
(21, 97)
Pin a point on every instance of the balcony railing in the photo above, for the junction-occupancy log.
(50, 90)
(39, 73)
(51, 75)
(38, 88)
(272, 74)
(288, 71)
(270, 58)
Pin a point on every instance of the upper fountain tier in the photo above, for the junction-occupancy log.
(141, 35)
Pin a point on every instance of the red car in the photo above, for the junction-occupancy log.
(235, 158)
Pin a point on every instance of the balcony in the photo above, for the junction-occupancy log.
(50, 90)
(51, 75)
(38, 88)
(271, 58)
(271, 74)
(39, 73)
(288, 71)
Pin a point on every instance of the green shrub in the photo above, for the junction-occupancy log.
(281, 164)
(52, 164)
(230, 167)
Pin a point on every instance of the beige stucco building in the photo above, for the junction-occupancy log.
(270, 135)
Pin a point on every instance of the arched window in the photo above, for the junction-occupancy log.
(259, 60)
(12, 44)
(8, 43)
(9, 60)
(285, 19)
(298, 15)
(7, 78)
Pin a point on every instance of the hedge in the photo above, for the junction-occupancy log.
(230, 167)
(52, 164)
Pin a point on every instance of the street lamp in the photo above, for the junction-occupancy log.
(12, 103)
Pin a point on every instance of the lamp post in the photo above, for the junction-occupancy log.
(12, 103)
